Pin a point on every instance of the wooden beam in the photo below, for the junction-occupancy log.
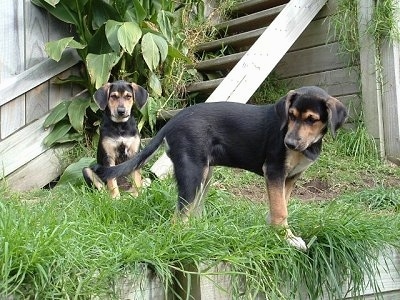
(21, 147)
(370, 87)
(27, 80)
(390, 60)
(252, 69)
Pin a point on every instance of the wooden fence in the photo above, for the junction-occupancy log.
(27, 93)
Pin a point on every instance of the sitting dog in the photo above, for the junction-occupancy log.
(119, 137)
(277, 141)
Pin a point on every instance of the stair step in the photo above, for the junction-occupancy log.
(205, 87)
(252, 6)
(236, 41)
(219, 63)
(250, 22)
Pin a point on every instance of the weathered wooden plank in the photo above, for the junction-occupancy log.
(37, 102)
(336, 82)
(391, 99)
(312, 60)
(372, 109)
(21, 147)
(36, 34)
(262, 57)
(36, 75)
(12, 33)
(316, 34)
(252, 21)
(39, 171)
(12, 117)
(250, 6)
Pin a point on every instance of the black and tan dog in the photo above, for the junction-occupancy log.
(276, 141)
(119, 137)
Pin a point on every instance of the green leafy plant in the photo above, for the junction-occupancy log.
(121, 39)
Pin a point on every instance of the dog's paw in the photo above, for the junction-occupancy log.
(146, 182)
(296, 242)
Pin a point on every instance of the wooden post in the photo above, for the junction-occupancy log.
(249, 73)
(390, 60)
(370, 87)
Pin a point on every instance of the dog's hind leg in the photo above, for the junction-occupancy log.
(192, 180)
(92, 179)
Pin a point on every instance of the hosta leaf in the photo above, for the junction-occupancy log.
(128, 36)
(57, 114)
(140, 12)
(112, 34)
(73, 173)
(150, 51)
(99, 67)
(162, 46)
(101, 12)
(165, 26)
(155, 84)
(55, 49)
(77, 112)
(175, 53)
(58, 132)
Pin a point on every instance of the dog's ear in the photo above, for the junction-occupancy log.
(140, 95)
(283, 105)
(101, 96)
(337, 114)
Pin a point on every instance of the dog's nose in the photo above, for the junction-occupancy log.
(121, 111)
(290, 145)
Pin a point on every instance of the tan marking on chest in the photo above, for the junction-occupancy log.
(131, 145)
(296, 163)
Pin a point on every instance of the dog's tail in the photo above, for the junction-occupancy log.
(132, 164)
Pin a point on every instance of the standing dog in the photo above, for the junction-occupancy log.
(119, 137)
(276, 141)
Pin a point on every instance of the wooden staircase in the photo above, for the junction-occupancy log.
(249, 21)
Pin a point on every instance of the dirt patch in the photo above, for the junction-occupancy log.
(314, 189)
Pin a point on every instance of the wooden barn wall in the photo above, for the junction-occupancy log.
(315, 59)
(26, 91)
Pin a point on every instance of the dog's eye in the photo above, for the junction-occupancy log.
(292, 117)
(310, 120)
(128, 97)
(113, 97)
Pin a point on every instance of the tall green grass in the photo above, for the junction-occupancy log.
(72, 243)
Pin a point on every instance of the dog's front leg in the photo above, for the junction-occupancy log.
(278, 212)
(112, 184)
(136, 183)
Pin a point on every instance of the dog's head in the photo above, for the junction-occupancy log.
(306, 114)
(118, 97)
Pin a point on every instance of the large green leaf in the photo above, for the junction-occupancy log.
(165, 26)
(154, 49)
(57, 114)
(128, 36)
(140, 12)
(73, 173)
(51, 2)
(77, 112)
(155, 84)
(98, 44)
(99, 67)
(58, 132)
(175, 53)
(111, 30)
(101, 12)
(65, 11)
(55, 49)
